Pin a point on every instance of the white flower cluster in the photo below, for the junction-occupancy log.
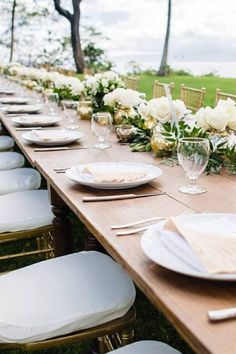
(102, 83)
(43, 76)
(159, 110)
(219, 118)
(122, 97)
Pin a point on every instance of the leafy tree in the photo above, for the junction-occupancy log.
(74, 19)
(164, 68)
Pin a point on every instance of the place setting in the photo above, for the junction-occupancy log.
(28, 122)
(21, 109)
(53, 139)
(197, 245)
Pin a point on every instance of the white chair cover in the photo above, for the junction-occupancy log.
(6, 143)
(11, 159)
(24, 211)
(147, 347)
(62, 295)
(19, 179)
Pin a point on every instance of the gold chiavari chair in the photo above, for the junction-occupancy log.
(26, 215)
(158, 89)
(223, 96)
(193, 98)
(131, 82)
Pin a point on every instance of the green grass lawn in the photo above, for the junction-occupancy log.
(210, 83)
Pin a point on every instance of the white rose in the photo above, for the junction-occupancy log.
(203, 116)
(219, 119)
(160, 109)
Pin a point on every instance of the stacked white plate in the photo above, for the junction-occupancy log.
(22, 109)
(52, 137)
(36, 121)
(6, 92)
(14, 100)
(143, 173)
(171, 251)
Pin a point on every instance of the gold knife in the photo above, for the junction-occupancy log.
(61, 148)
(120, 197)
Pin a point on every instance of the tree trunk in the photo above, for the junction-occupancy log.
(12, 29)
(76, 45)
(163, 69)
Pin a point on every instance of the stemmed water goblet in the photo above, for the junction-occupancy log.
(193, 155)
(101, 127)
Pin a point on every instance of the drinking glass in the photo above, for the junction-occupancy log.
(193, 156)
(71, 114)
(52, 101)
(101, 127)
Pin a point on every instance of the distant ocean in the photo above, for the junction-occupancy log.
(223, 69)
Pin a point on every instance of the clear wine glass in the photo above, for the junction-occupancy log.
(52, 101)
(193, 156)
(101, 127)
(71, 114)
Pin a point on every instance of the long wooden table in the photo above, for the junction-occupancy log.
(183, 300)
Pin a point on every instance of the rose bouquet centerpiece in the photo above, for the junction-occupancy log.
(97, 86)
(68, 87)
(123, 104)
(155, 124)
(220, 120)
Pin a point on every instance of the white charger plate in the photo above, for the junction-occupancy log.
(171, 251)
(14, 100)
(36, 121)
(70, 137)
(76, 174)
(22, 109)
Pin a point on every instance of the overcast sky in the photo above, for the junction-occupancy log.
(200, 29)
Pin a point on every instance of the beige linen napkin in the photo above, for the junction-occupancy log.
(115, 176)
(51, 135)
(214, 242)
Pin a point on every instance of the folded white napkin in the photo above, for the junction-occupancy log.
(113, 175)
(60, 135)
(213, 242)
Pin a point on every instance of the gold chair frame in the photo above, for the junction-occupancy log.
(111, 335)
(131, 82)
(158, 89)
(44, 242)
(223, 96)
(192, 97)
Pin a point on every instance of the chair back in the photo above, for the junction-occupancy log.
(131, 82)
(158, 89)
(193, 98)
(223, 96)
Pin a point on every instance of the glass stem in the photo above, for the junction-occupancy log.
(193, 181)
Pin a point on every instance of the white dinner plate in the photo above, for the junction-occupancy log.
(14, 100)
(52, 137)
(21, 109)
(171, 251)
(6, 92)
(36, 121)
(76, 174)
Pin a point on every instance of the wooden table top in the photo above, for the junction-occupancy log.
(183, 300)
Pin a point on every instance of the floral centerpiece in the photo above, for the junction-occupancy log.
(68, 87)
(97, 86)
(221, 119)
(123, 103)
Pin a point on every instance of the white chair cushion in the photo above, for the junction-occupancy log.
(62, 295)
(11, 159)
(6, 142)
(147, 347)
(19, 179)
(24, 211)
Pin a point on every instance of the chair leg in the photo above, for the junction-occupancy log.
(127, 336)
(101, 345)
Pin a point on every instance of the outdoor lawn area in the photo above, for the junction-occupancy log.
(211, 83)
